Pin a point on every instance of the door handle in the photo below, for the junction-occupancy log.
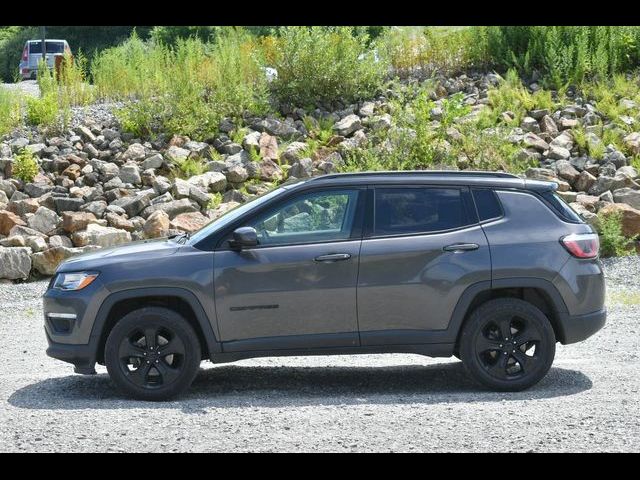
(333, 257)
(461, 247)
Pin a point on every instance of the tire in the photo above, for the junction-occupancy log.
(507, 345)
(152, 354)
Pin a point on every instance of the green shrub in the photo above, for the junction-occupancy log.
(190, 167)
(43, 111)
(612, 241)
(324, 64)
(10, 111)
(25, 166)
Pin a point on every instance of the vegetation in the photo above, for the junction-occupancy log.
(25, 166)
(612, 241)
(10, 111)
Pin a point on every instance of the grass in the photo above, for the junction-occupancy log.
(10, 111)
(627, 298)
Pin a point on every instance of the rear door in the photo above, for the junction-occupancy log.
(423, 248)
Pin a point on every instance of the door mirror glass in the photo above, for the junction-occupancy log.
(244, 237)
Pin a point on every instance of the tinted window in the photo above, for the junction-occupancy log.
(311, 217)
(417, 210)
(487, 204)
(561, 207)
(52, 47)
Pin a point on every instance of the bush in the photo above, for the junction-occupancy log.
(612, 241)
(324, 64)
(10, 111)
(25, 166)
(184, 89)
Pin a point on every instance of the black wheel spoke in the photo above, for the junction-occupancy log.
(150, 335)
(174, 347)
(499, 368)
(167, 372)
(504, 324)
(484, 344)
(140, 374)
(525, 335)
(129, 350)
(525, 361)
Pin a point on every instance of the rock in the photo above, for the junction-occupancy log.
(135, 152)
(629, 171)
(36, 244)
(134, 205)
(86, 134)
(75, 221)
(294, 152)
(101, 236)
(530, 124)
(209, 181)
(251, 141)
(270, 171)
(96, 207)
(240, 158)
(367, 109)
(547, 125)
(539, 114)
(130, 173)
(384, 122)
(584, 181)
(534, 141)
(230, 148)
(66, 204)
(14, 241)
(268, 147)
(303, 168)
(544, 174)
(181, 188)
(628, 196)
(564, 140)
(8, 220)
(118, 221)
(60, 241)
(633, 142)
(15, 263)
(630, 217)
(73, 171)
(347, 125)
(173, 208)
(44, 221)
(566, 171)
(177, 154)
(154, 161)
(157, 225)
(237, 174)
(275, 127)
(189, 222)
(558, 153)
(589, 217)
(47, 261)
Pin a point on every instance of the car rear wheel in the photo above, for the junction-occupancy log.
(507, 344)
(152, 354)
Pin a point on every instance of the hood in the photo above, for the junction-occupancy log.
(145, 249)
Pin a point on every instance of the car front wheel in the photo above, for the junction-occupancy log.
(507, 344)
(152, 354)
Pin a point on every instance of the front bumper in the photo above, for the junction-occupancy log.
(81, 356)
(576, 328)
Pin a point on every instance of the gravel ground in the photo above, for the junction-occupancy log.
(589, 401)
(28, 87)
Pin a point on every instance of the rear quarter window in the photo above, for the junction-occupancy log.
(487, 204)
(562, 208)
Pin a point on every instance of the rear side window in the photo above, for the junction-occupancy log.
(561, 207)
(419, 210)
(52, 47)
(487, 204)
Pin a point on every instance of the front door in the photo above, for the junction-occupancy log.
(297, 288)
(424, 250)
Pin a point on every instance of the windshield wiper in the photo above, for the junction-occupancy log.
(180, 237)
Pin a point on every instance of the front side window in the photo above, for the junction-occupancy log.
(401, 211)
(308, 218)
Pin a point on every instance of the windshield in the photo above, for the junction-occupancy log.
(234, 213)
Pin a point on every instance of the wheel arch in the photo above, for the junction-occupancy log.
(539, 292)
(179, 300)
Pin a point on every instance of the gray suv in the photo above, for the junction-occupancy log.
(489, 267)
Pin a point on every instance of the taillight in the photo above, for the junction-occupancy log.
(25, 53)
(582, 245)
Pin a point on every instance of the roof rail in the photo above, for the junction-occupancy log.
(459, 173)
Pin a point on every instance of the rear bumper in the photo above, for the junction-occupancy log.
(576, 328)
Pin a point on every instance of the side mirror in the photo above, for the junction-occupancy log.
(244, 237)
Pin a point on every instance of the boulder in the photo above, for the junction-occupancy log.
(303, 168)
(130, 173)
(101, 236)
(76, 221)
(294, 152)
(47, 261)
(209, 181)
(8, 220)
(534, 141)
(44, 220)
(277, 128)
(189, 222)
(348, 125)
(633, 142)
(15, 262)
(268, 147)
(177, 154)
(628, 196)
(157, 225)
(154, 161)
(134, 152)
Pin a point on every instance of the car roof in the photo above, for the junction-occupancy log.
(46, 40)
(435, 177)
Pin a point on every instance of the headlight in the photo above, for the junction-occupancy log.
(74, 281)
